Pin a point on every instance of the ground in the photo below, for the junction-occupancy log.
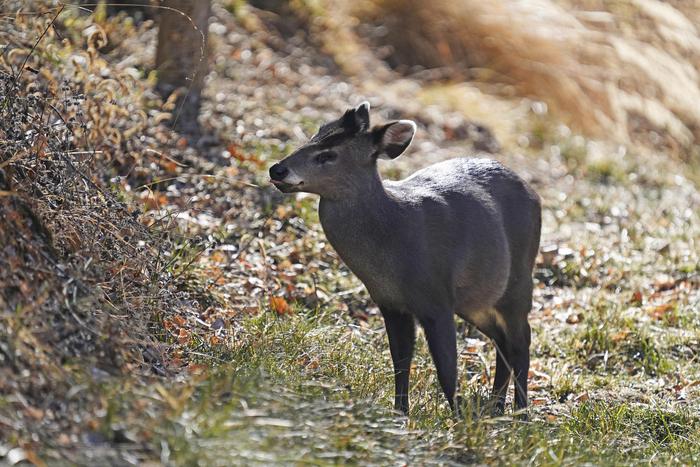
(256, 345)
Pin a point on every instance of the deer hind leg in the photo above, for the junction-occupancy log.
(502, 376)
(514, 309)
(491, 324)
(520, 360)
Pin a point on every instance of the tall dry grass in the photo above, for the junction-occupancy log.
(624, 69)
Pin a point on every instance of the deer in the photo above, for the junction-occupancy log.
(457, 237)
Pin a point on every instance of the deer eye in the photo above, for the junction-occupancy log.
(325, 156)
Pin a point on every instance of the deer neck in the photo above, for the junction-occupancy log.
(361, 226)
(365, 204)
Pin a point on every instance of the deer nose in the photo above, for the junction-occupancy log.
(278, 172)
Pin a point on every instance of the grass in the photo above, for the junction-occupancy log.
(311, 387)
(655, 429)
(579, 76)
(270, 352)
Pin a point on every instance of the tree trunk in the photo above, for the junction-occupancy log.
(181, 58)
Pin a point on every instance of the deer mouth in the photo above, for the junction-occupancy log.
(285, 187)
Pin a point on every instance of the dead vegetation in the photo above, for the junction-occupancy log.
(159, 303)
(620, 70)
(83, 275)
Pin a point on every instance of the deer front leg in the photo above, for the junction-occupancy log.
(401, 329)
(442, 342)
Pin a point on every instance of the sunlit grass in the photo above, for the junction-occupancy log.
(614, 375)
(315, 387)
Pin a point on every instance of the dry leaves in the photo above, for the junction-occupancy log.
(279, 305)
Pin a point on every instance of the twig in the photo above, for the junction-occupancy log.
(36, 44)
(202, 47)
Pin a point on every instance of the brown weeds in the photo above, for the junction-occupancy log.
(590, 61)
(81, 275)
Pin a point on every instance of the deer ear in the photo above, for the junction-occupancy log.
(393, 138)
(357, 119)
(362, 116)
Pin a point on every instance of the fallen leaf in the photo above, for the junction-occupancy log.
(279, 305)
(219, 257)
(63, 439)
(196, 368)
(155, 200)
(183, 336)
(617, 337)
(574, 318)
(637, 298)
(282, 211)
(36, 414)
(33, 458)
(659, 312)
(179, 320)
(664, 282)
(235, 151)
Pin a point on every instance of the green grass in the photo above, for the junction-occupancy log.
(314, 387)
(649, 431)
(614, 380)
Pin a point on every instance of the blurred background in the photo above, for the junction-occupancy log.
(161, 303)
(623, 72)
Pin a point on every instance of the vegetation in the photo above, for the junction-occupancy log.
(592, 62)
(160, 303)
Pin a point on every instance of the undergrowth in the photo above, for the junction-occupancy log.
(313, 388)
(159, 305)
(82, 272)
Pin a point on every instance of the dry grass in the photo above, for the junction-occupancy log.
(82, 275)
(623, 70)
(272, 350)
